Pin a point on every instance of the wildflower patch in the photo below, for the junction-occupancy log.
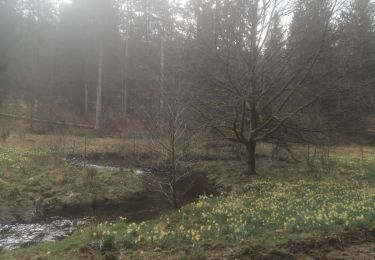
(264, 207)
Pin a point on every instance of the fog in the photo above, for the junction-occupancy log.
(160, 129)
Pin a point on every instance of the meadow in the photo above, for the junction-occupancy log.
(286, 202)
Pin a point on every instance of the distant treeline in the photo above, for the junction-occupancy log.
(270, 70)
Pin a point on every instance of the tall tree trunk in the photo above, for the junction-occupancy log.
(86, 90)
(35, 62)
(250, 148)
(254, 115)
(124, 84)
(147, 19)
(124, 106)
(162, 75)
(98, 110)
(86, 99)
(174, 169)
(32, 114)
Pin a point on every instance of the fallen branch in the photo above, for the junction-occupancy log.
(46, 121)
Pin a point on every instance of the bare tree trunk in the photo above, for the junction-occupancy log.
(174, 167)
(147, 20)
(174, 181)
(52, 78)
(98, 110)
(85, 152)
(86, 99)
(308, 154)
(162, 75)
(35, 63)
(124, 106)
(32, 113)
(254, 116)
(250, 148)
(124, 85)
(86, 89)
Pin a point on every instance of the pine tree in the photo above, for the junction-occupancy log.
(357, 39)
(356, 61)
(307, 28)
(8, 26)
(275, 42)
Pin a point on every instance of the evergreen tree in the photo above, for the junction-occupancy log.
(8, 29)
(307, 29)
(357, 39)
(275, 41)
(274, 50)
(356, 61)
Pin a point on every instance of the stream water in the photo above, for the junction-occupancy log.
(108, 168)
(17, 235)
(21, 234)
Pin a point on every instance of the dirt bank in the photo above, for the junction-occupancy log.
(348, 245)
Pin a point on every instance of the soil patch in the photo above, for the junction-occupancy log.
(349, 245)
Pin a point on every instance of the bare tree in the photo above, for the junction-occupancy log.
(124, 103)
(256, 91)
(162, 72)
(170, 137)
(103, 10)
(99, 86)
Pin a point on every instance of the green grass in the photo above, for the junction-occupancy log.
(286, 202)
(37, 179)
(266, 210)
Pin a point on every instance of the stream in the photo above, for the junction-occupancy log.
(17, 235)
(22, 234)
(108, 168)
(14, 235)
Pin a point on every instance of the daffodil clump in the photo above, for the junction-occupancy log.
(353, 164)
(16, 159)
(264, 207)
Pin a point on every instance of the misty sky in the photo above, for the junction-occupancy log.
(69, 1)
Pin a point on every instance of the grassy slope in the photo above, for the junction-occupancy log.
(33, 177)
(286, 202)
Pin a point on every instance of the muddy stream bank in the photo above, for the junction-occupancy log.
(25, 227)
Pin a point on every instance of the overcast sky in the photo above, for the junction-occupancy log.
(69, 1)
